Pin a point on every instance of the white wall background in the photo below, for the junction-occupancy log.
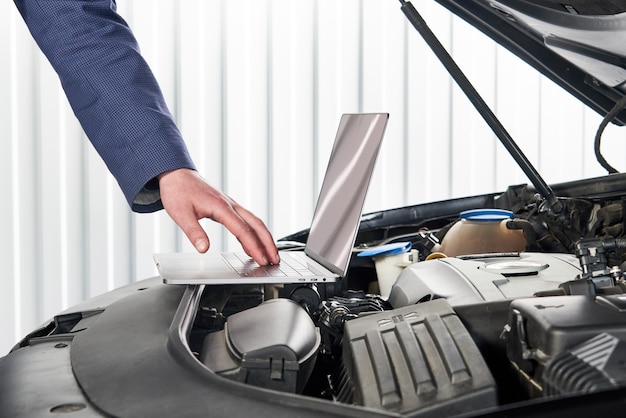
(258, 87)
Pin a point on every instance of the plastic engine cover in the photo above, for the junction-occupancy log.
(418, 358)
(482, 278)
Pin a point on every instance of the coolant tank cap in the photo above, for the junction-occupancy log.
(486, 215)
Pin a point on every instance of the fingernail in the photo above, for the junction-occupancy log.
(201, 246)
(264, 261)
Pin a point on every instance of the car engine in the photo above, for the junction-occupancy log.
(497, 305)
(448, 308)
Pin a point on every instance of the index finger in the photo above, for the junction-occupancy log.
(263, 235)
(251, 232)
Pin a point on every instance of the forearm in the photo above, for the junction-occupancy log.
(111, 90)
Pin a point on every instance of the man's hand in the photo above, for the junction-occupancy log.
(187, 197)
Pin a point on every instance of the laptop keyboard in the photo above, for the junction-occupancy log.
(290, 265)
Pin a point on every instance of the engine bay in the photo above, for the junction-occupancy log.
(457, 307)
(488, 326)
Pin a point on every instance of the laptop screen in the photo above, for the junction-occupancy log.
(338, 212)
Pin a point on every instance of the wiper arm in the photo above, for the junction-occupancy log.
(551, 201)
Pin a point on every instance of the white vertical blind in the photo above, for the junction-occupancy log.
(257, 87)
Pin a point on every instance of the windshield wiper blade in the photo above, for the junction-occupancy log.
(551, 201)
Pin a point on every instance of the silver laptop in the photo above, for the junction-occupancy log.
(333, 230)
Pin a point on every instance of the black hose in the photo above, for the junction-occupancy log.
(617, 108)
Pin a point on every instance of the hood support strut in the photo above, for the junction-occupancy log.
(550, 200)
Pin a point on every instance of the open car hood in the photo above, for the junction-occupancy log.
(579, 44)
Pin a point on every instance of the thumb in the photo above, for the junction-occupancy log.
(195, 234)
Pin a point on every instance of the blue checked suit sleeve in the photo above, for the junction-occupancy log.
(112, 91)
